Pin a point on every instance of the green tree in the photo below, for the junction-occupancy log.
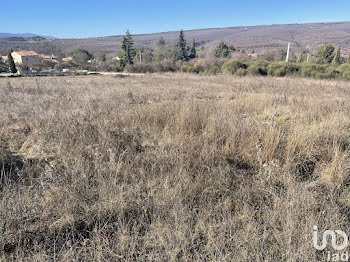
(221, 50)
(145, 55)
(128, 48)
(302, 57)
(122, 62)
(282, 54)
(81, 56)
(193, 52)
(325, 55)
(100, 57)
(11, 63)
(337, 58)
(180, 48)
(161, 50)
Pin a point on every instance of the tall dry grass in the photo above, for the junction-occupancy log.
(171, 168)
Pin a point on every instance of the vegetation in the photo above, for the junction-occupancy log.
(337, 58)
(231, 67)
(144, 55)
(193, 52)
(161, 50)
(326, 54)
(100, 57)
(221, 50)
(277, 69)
(180, 48)
(81, 56)
(11, 63)
(129, 52)
(171, 167)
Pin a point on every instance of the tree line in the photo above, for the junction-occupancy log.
(180, 51)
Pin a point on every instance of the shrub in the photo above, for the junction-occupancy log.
(311, 70)
(346, 75)
(214, 70)
(241, 72)
(165, 67)
(344, 67)
(332, 72)
(282, 69)
(197, 68)
(81, 56)
(258, 68)
(185, 68)
(231, 67)
(139, 68)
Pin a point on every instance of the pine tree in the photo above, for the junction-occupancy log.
(221, 50)
(128, 48)
(12, 64)
(193, 52)
(325, 55)
(180, 52)
(337, 58)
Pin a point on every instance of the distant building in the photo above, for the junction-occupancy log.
(26, 58)
(51, 58)
(4, 59)
(67, 59)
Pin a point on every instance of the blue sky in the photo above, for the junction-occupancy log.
(76, 18)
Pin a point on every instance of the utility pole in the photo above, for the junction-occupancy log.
(308, 56)
(287, 57)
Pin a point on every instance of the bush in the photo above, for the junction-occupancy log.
(346, 75)
(344, 67)
(197, 68)
(241, 72)
(332, 72)
(185, 68)
(214, 70)
(163, 67)
(231, 67)
(282, 69)
(259, 68)
(139, 68)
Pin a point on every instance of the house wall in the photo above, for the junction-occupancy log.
(17, 58)
(30, 60)
(25, 60)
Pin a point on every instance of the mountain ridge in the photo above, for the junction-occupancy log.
(24, 35)
(257, 38)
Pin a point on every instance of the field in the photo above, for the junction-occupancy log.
(172, 167)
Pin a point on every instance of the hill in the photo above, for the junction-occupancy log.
(257, 38)
(25, 35)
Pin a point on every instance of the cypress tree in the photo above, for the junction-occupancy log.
(337, 57)
(193, 52)
(128, 48)
(11, 64)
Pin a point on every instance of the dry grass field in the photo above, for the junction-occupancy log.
(171, 167)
